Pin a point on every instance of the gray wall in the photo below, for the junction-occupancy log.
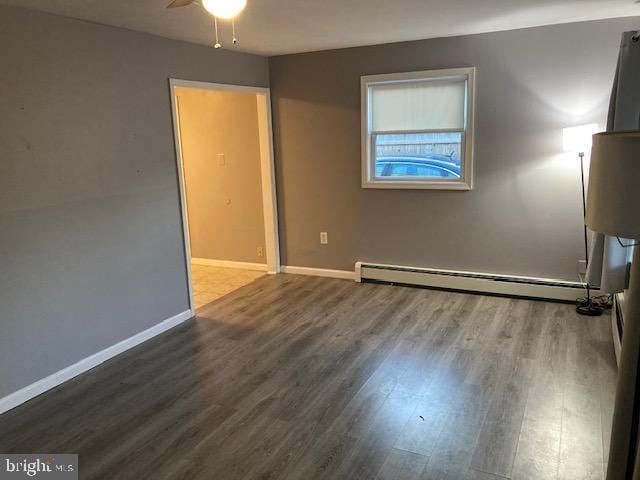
(90, 237)
(524, 215)
(226, 218)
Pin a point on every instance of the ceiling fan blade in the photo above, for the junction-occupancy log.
(180, 3)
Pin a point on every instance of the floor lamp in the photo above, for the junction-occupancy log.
(578, 141)
(613, 208)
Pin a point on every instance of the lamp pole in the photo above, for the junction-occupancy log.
(588, 307)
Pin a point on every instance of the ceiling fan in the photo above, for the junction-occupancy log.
(220, 9)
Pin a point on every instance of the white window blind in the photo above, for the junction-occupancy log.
(418, 105)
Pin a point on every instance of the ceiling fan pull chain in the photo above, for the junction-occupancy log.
(233, 27)
(215, 24)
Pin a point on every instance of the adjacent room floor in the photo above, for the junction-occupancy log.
(211, 283)
(305, 378)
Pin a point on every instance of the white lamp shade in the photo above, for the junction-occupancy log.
(613, 202)
(578, 139)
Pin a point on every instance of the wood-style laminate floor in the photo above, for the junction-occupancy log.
(312, 378)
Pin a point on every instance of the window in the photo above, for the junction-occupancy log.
(417, 129)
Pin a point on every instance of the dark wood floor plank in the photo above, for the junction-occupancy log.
(379, 433)
(538, 452)
(294, 377)
(496, 447)
(402, 465)
(452, 453)
(581, 449)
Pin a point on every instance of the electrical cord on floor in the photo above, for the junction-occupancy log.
(602, 301)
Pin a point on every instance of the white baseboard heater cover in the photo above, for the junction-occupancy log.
(518, 286)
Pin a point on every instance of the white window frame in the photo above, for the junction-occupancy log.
(369, 179)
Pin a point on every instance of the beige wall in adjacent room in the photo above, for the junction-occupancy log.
(224, 201)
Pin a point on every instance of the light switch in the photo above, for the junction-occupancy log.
(221, 159)
(227, 200)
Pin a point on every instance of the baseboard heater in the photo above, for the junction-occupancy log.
(508, 285)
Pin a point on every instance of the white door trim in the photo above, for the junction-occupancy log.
(267, 167)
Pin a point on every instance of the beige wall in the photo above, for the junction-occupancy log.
(224, 201)
(524, 215)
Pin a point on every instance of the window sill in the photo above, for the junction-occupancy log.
(417, 185)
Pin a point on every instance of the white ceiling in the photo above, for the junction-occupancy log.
(272, 27)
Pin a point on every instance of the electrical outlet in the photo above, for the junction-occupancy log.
(227, 200)
(260, 251)
(221, 159)
(324, 238)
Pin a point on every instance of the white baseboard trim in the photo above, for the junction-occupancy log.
(229, 264)
(510, 285)
(319, 272)
(30, 391)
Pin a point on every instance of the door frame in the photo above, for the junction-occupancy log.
(267, 170)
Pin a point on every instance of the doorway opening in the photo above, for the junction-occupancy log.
(224, 155)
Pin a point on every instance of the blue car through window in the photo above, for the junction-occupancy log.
(418, 155)
(416, 167)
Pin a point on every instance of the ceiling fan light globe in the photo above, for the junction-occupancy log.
(224, 8)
